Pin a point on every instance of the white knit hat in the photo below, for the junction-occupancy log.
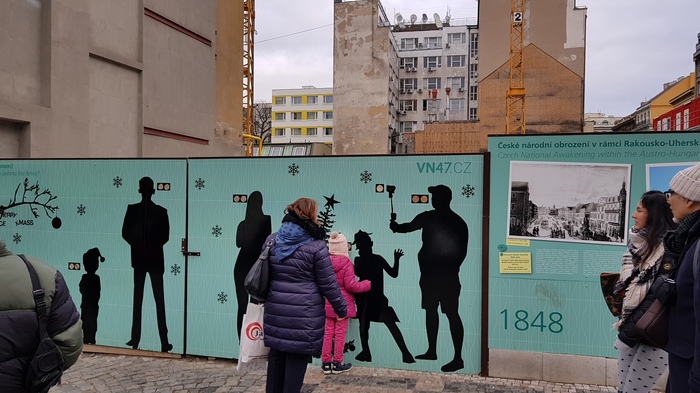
(338, 244)
(686, 183)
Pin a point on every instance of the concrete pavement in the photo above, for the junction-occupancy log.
(96, 372)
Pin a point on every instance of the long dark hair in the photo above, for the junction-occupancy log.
(659, 218)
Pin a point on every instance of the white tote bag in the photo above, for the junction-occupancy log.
(253, 352)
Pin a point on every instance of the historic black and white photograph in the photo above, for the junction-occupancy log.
(572, 202)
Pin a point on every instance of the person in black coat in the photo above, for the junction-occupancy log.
(147, 229)
(683, 329)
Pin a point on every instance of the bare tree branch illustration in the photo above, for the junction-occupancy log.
(34, 197)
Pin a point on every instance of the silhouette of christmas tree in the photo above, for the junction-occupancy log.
(326, 216)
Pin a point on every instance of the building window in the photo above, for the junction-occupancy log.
(313, 131)
(311, 116)
(409, 62)
(678, 122)
(474, 70)
(666, 124)
(296, 100)
(686, 119)
(296, 131)
(409, 43)
(433, 83)
(299, 151)
(312, 100)
(278, 132)
(456, 61)
(280, 116)
(457, 38)
(408, 105)
(280, 100)
(433, 42)
(473, 93)
(432, 61)
(296, 115)
(327, 99)
(455, 82)
(658, 125)
(276, 150)
(327, 115)
(407, 126)
(408, 83)
(457, 104)
(328, 131)
(473, 114)
(428, 104)
(474, 44)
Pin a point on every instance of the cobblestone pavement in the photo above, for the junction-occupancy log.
(120, 373)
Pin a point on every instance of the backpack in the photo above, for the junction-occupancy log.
(46, 367)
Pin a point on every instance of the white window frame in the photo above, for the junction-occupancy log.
(278, 132)
(327, 99)
(409, 62)
(312, 100)
(312, 115)
(473, 114)
(328, 131)
(456, 61)
(327, 115)
(432, 42)
(280, 100)
(474, 70)
(432, 62)
(296, 100)
(312, 131)
(280, 115)
(455, 82)
(295, 131)
(457, 104)
(473, 93)
(296, 116)
(686, 119)
(408, 83)
(474, 44)
(408, 105)
(409, 43)
(276, 150)
(426, 106)
(678, 122)
(456, 38)
(432, 83)
(407, 126)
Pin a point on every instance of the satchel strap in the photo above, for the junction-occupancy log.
(695, 259)
(38, 293)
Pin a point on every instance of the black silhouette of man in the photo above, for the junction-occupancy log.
(250, 237)
(445, 236)
(147, 229)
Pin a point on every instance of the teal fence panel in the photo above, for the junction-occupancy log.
(59, 210)
(353, 195)
(561, 207)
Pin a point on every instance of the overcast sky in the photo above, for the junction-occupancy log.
(633, 46)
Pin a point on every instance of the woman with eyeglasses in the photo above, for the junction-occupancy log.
(639, 364)
(682, 245)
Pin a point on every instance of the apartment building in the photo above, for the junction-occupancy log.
(302, 115)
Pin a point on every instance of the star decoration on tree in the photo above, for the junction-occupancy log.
(330, 202)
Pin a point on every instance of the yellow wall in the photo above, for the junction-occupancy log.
(660, 104)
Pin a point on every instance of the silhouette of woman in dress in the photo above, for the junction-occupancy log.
(250, 237)
(373, 306)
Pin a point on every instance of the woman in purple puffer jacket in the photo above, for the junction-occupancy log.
(301, 276)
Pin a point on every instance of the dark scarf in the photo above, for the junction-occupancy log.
(295, 232)
(675, 240)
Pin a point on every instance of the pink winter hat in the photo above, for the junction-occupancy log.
(338, 244)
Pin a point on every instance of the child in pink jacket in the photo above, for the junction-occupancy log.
(337, 328)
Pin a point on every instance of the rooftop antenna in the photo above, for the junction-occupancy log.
(438, 22)
(447, 17)
(424, 18)
(414, 18)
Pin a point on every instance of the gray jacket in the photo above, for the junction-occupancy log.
(19, 327)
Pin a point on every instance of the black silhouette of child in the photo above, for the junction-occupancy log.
(373, 306)
(445, 237)
(90, 289)
(250, 237)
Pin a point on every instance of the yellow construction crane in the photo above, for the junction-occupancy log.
(515, 97)
(248, 106)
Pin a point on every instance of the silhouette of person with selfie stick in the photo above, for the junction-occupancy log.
(445, 236)
(147, 229)
(250, 237)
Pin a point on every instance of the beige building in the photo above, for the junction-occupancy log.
(375, 113)
(302, 115)
(131, 78)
